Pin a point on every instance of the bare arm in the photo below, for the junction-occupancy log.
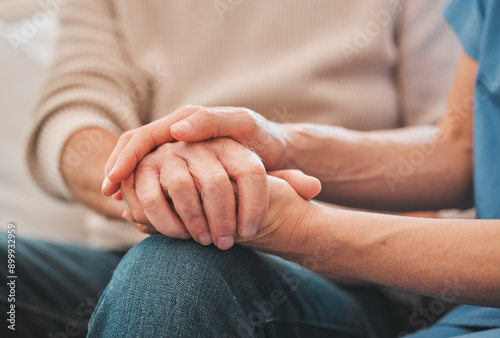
(455, 260)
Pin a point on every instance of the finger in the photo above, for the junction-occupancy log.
(208, 123)
(144, 140)
(148, 229)
(306, 186)
(118, 195)
(145, 228)
(135, 211)
(217, 196)
(176, 178)
(246, 168)
(155, 206)
(108, 187)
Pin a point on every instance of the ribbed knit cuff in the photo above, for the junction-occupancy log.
(54, 134)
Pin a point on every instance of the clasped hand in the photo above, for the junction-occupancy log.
(216, 190)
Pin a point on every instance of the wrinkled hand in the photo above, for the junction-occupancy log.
(289, 208)
(191, 124)
(197, 178)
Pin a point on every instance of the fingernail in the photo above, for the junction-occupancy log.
(105, 183)
(205, 239)
(225, 242)
(183, 127)
(125, 214)
(249, 231)
(113, 171)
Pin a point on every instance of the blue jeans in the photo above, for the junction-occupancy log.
(169, 288)
(57, 287)
(173, 288)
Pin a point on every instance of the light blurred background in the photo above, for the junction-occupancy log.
(28, 29)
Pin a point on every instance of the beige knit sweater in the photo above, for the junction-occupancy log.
(121, 63)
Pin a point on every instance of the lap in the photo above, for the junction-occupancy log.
(57, 286)
(166, 287)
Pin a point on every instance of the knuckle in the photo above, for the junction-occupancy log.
(258, 210)
(250, 118)
(144, 136)
(216, 181)
(128, 134)
(143, 167)
(150, 202)
(194, 221)
(224, 227)
(139, 217)
(255, 167)
(211, 116)
(146, 164)
(189, 107)
(189, 214)
(180, 183)
(206, 115)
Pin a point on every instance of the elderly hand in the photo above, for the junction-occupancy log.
(192, 124)
(197, 178)
(289, 208)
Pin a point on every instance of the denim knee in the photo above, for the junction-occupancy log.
(172, 287)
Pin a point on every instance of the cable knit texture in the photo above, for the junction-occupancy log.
(121, 63)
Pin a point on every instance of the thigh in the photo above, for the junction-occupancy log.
(166, 287)
(57, 286)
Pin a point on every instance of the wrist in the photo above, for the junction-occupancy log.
(329, 246)
(82, 167)
(288, 133)
(285, 230)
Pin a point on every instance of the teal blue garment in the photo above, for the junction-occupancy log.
(477, 24)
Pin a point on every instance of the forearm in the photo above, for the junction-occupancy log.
(414, 168)
(455, 260)
(83, 171)
(408, 169)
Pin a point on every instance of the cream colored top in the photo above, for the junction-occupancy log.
(121, 63)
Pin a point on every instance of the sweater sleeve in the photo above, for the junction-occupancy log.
(91, 84)
(428, 53)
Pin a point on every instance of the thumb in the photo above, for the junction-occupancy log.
(208, 123)
(306, 186)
